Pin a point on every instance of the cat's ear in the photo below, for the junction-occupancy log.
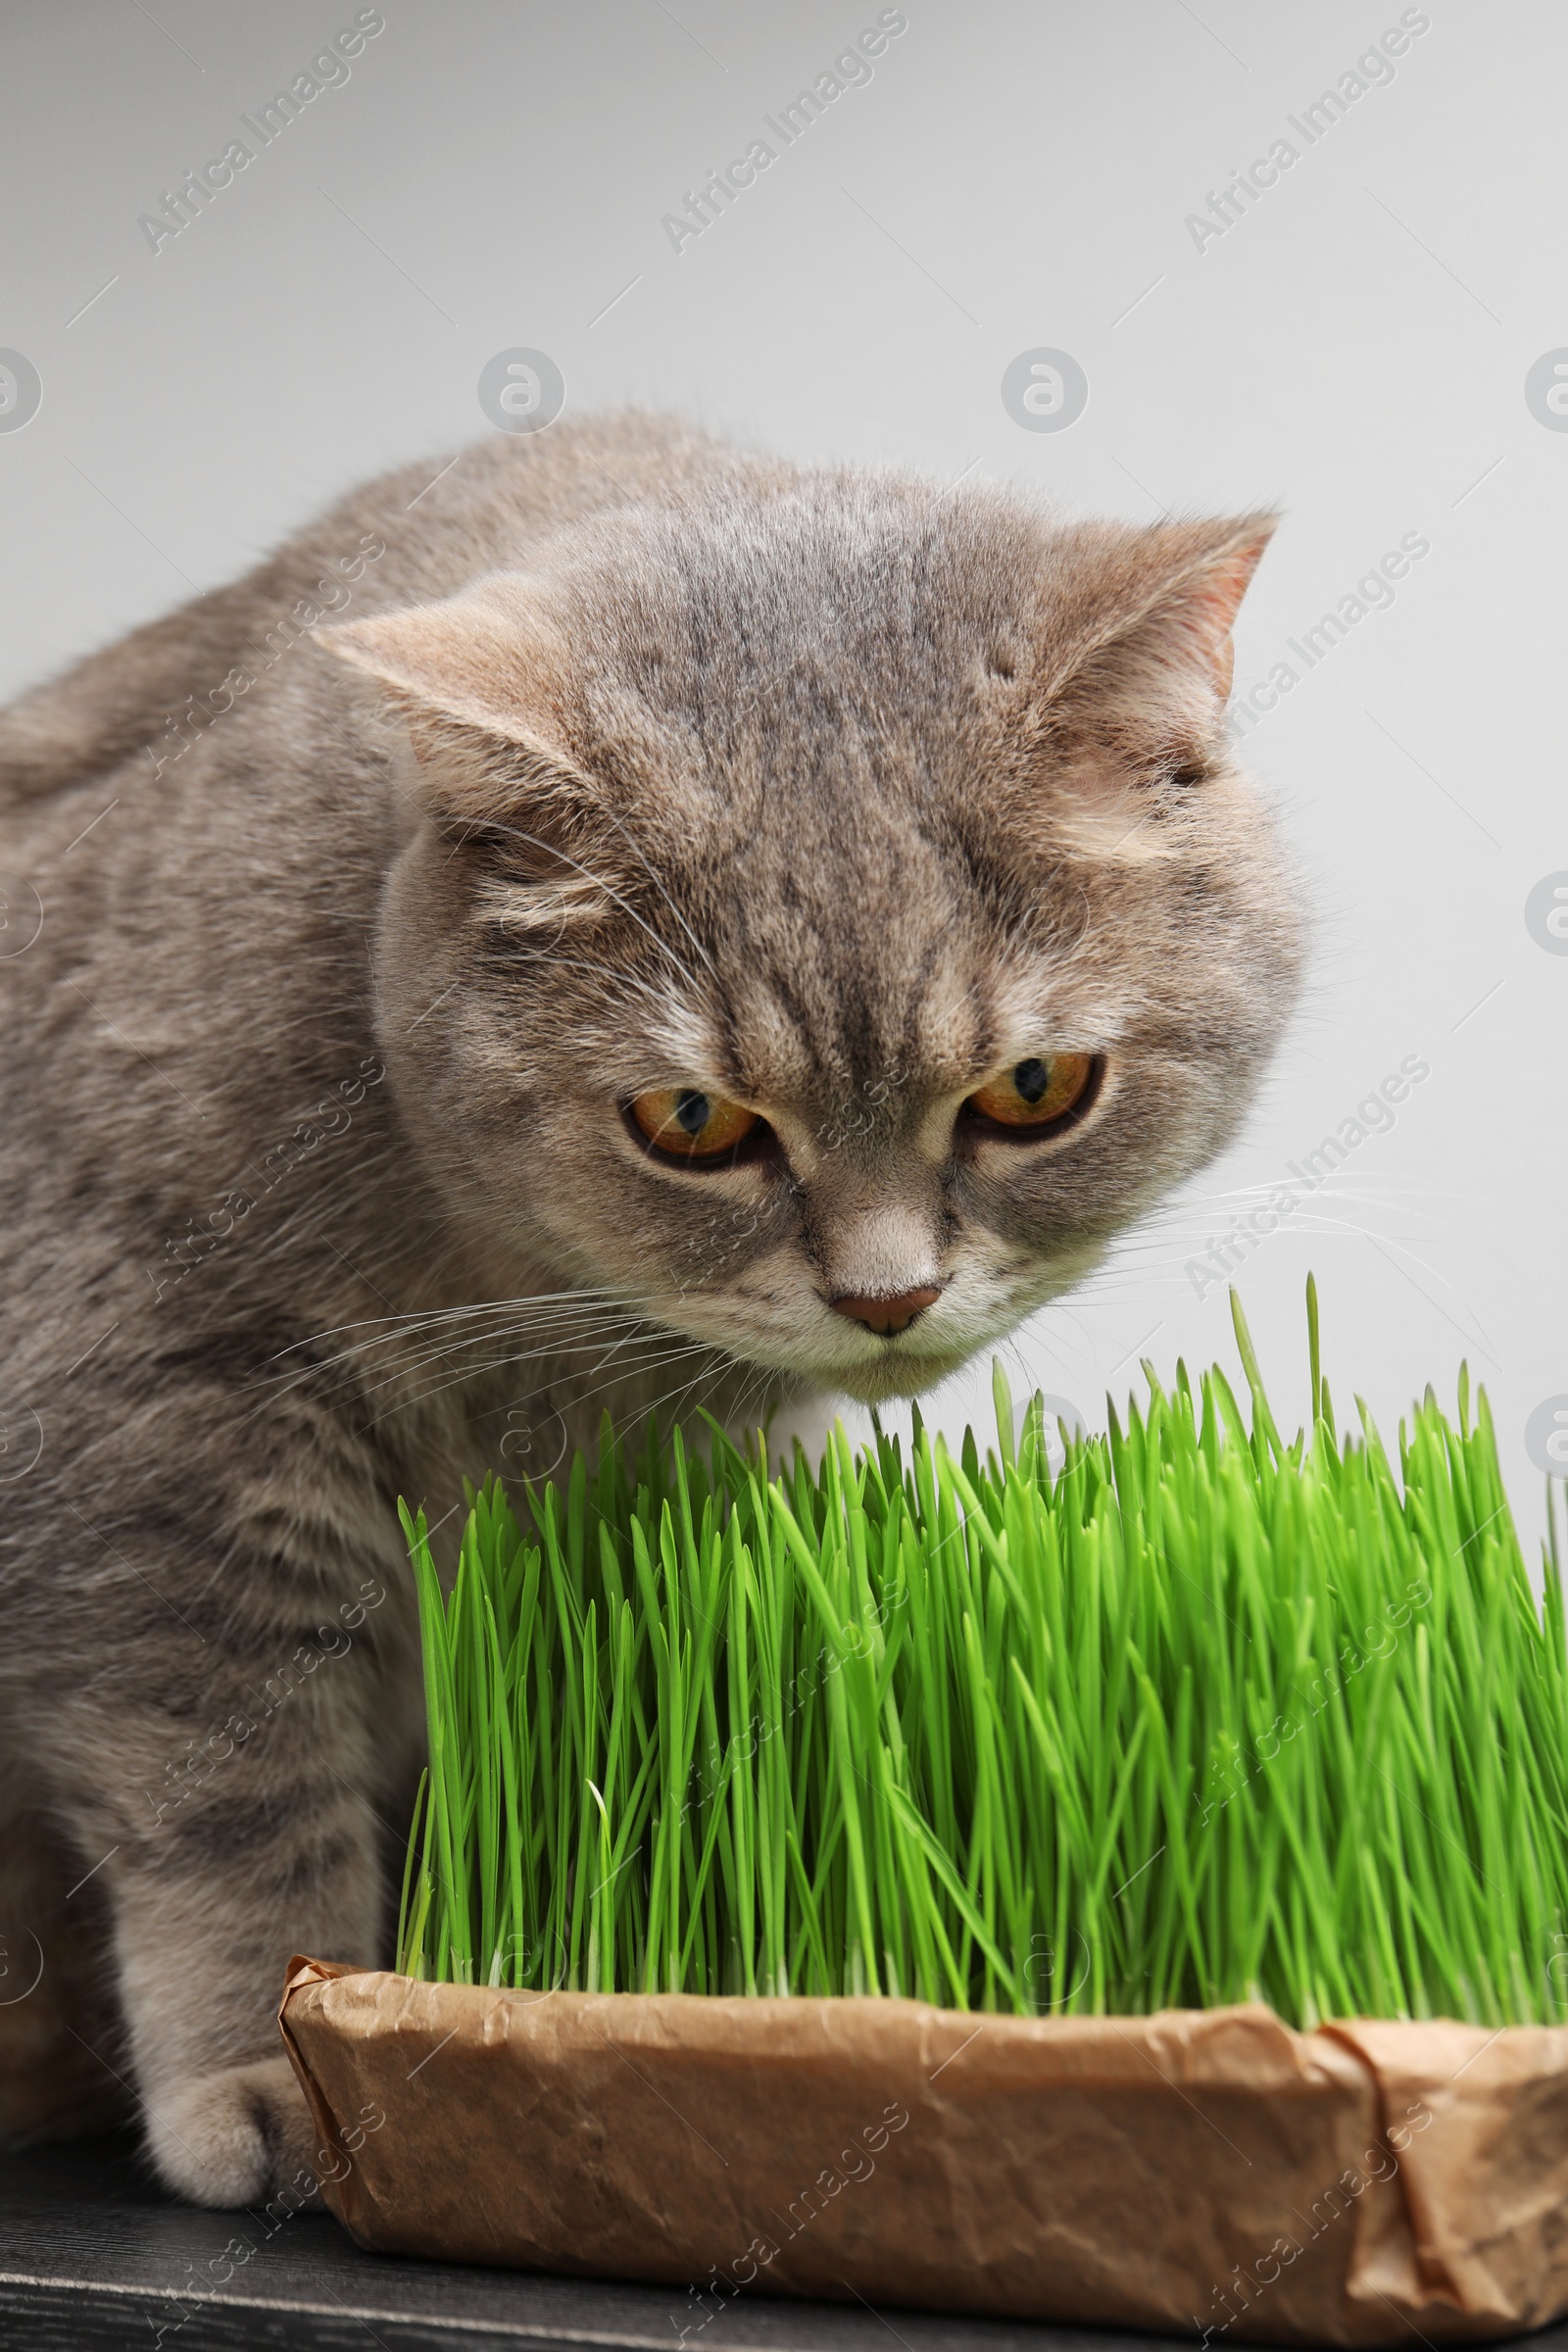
(480, 681)
(1158, 615)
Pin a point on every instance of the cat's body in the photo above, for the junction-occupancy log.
(825, 793)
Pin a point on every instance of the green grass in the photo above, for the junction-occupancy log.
(1203, 1718)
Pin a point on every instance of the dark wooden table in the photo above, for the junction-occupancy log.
(93, 2259)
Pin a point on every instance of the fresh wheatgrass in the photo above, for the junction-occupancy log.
(1200, 1717)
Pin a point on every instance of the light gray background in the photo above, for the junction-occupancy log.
(1354, 349)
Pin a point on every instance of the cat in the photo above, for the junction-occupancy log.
(614, 923)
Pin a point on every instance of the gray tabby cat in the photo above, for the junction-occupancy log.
(624, 923)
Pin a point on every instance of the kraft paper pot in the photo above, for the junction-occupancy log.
(1201, 2169)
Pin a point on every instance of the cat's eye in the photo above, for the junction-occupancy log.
(1037, 1093)
(684, 1123)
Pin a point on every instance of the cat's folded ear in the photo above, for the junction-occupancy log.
(1153, 614)
(481, 683)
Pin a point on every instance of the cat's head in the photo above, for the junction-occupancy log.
(827, 893)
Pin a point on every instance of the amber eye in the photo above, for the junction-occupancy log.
(1036, 1093)
(691, 1125)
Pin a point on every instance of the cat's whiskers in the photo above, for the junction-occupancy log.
(393, 1345)
(412, 1322)
(718, 1365)
(578, 1397)
(407, 1388)
(563, 1342)
(450, 1314)
(756, 1387)
(560, 1345)
(644, 1411)
(418, 1344)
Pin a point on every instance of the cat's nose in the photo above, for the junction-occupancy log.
(884, 1316)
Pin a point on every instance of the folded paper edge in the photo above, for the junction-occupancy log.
(300, 1977)
(1450, 2266)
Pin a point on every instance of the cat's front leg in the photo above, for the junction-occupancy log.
(256, 1839)
(204, 1934)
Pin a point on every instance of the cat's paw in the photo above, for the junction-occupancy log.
(234, 2138)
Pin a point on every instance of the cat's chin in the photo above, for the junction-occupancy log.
(880, 1381)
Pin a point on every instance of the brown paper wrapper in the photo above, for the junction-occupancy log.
(1198, 2170)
